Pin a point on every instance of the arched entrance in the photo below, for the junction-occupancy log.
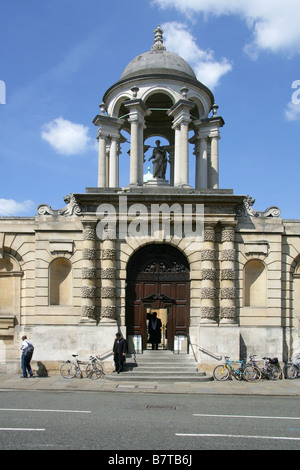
(158, 278)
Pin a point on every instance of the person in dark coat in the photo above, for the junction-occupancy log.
(119, 352)
(154, 329)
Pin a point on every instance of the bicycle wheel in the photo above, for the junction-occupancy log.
(290, 371)
(274, 372)
(221, 372)
(94, 370)
(252, 374)
(68, 370)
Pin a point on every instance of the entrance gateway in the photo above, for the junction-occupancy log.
(158, 279)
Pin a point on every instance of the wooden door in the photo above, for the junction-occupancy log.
(158, 277)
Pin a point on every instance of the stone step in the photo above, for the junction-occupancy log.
(160, 366)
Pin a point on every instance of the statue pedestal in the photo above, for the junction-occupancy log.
(157, 182)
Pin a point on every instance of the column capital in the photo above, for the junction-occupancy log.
(107, 125)
(181, 112)
(138, 110)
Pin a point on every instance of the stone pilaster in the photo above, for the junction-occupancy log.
(208, 275)
(228, 274)
(88, 289)
(108, 278)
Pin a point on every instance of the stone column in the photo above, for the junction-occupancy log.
(138, 110)
(141, 154)
(214, 171)
(208, 275)
(203, 163)
(228, 289)
(181, 114)
(197, 162)
(114, 163)
(102, 161)
(88, 289)
(108, 278)
(170, 149)
(177, 156)
(134, 152)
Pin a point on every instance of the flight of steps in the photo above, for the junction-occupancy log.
(160, 366)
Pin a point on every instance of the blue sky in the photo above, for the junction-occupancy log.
(58, 57)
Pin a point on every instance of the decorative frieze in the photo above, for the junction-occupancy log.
(228, 235)
(88, 292)
(228, 293)
(89, 232)
(89, 253)
(208, 276)
(208, 293)
(227, 274)
(228, 255)
(88, 273)
(108, 278)
(209, 234)
(88, 311)
(108, 254)
(108, 292)
(208, 255)
(109, 312)
(228, 313)
(228, 290)
(108, 273)
(208, 273)
(208, 313)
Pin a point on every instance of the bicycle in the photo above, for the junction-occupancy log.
(271, 369)
(292, 369)
(71, 369)
(224, 371)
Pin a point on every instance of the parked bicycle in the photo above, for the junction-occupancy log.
(271, 369)
(93, 370)
(292, 369)
(225, 371)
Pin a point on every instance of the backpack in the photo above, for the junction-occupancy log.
(28, 351)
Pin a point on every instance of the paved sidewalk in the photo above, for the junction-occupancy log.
(231, 387)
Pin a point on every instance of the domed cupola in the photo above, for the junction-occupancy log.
(158, 61)
(158, 95)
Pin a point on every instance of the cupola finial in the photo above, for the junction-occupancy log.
(158, 40)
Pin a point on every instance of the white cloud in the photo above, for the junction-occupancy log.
(275, 23)
(207, 69)
(292, 112)
(66, 137)
(10, 207)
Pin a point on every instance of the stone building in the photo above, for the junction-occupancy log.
(222, 276)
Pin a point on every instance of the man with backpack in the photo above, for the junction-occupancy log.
(27, 352)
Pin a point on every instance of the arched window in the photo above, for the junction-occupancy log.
(255, 284)
(6, 286)
(60, 282)
(296, 292)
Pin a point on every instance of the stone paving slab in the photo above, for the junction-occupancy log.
(231, 387)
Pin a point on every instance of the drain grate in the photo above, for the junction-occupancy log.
(160, 407)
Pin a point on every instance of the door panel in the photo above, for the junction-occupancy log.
(158, 278)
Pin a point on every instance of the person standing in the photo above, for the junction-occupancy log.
(154, 329)
(27, 352)
(119, 352)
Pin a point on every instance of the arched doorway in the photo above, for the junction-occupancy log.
(158, 278)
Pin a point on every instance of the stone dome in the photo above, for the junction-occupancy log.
(158, 61)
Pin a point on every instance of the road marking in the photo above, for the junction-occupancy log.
(240, 436)
(21, 429)
(46, 411)
(244, 416)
